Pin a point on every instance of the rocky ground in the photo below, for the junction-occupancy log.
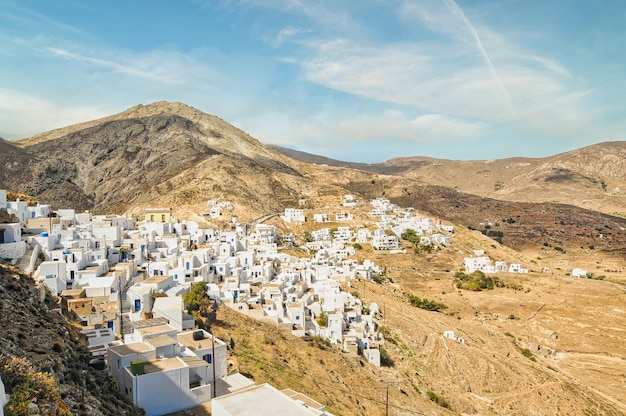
(37, 340)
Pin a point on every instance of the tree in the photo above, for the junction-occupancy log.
(322, 321)
(410, 235)
(196, 296)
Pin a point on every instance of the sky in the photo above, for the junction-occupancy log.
(355, 80)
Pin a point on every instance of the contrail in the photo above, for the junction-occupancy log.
(456, 10)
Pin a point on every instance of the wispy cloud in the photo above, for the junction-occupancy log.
(154, 65)
(393, 124)
(44, 115)
(454, 72)
(456, 11)
(28, 17)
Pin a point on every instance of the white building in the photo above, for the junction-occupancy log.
(293, 215)
(164, 374)
(54, 275)
(481, 263)
(3, 398)
(382, 241)
(265, 400)
(11, 244)
(320, 217)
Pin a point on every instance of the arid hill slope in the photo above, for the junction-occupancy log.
(170, 154)
(592, 177)
(36, 339)
(163, 153)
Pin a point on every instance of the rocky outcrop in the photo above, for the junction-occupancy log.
(38, 347)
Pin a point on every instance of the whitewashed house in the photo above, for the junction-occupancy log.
(382, 241)
(11, 244)
(54, 275)
(320, 217)
(293, 215)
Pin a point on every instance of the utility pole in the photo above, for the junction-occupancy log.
(213, 363)
(119, 295)
(387, 403)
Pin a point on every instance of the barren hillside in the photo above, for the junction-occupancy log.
(593, 177)
(169, 154)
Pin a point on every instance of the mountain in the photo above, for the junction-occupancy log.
(171, 154)
(162, 153)
(12, 160)
(548, 214)
(592, 177)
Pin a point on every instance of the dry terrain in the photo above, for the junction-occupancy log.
(545, 343)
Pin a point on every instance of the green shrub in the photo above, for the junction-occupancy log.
(385, 358)
(528, 354)
(427, 304)
(475, 281)
(322, 321)
(438, 399)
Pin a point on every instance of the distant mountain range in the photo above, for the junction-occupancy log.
(175, 155)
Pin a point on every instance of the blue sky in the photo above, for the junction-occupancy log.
(363, 80)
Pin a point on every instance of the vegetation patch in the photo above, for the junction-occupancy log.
(427, 304)
(29, 390)
(438, 399)
(494, 234)
(475, 281)
(411, 236)
(385, 358)
(528, 354)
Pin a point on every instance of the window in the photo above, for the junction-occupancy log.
(208, 358)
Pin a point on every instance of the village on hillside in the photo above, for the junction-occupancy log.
(124, 280)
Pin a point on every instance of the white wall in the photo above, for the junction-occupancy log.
(12, 232)
(3, 398)
(163, 391)
(13, 250)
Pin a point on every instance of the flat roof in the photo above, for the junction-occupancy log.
(155, 279)
(194, 362)
(73, 292)
(161, 341)
(262, 400)
(303, 398)
(135, 347)
(149, 322)
(156, 329)
(186, 338)
(164, 364)
(232, 383)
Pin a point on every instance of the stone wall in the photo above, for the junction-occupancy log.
(13, 250)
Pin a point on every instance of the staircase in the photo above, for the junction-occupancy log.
(24, 262)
